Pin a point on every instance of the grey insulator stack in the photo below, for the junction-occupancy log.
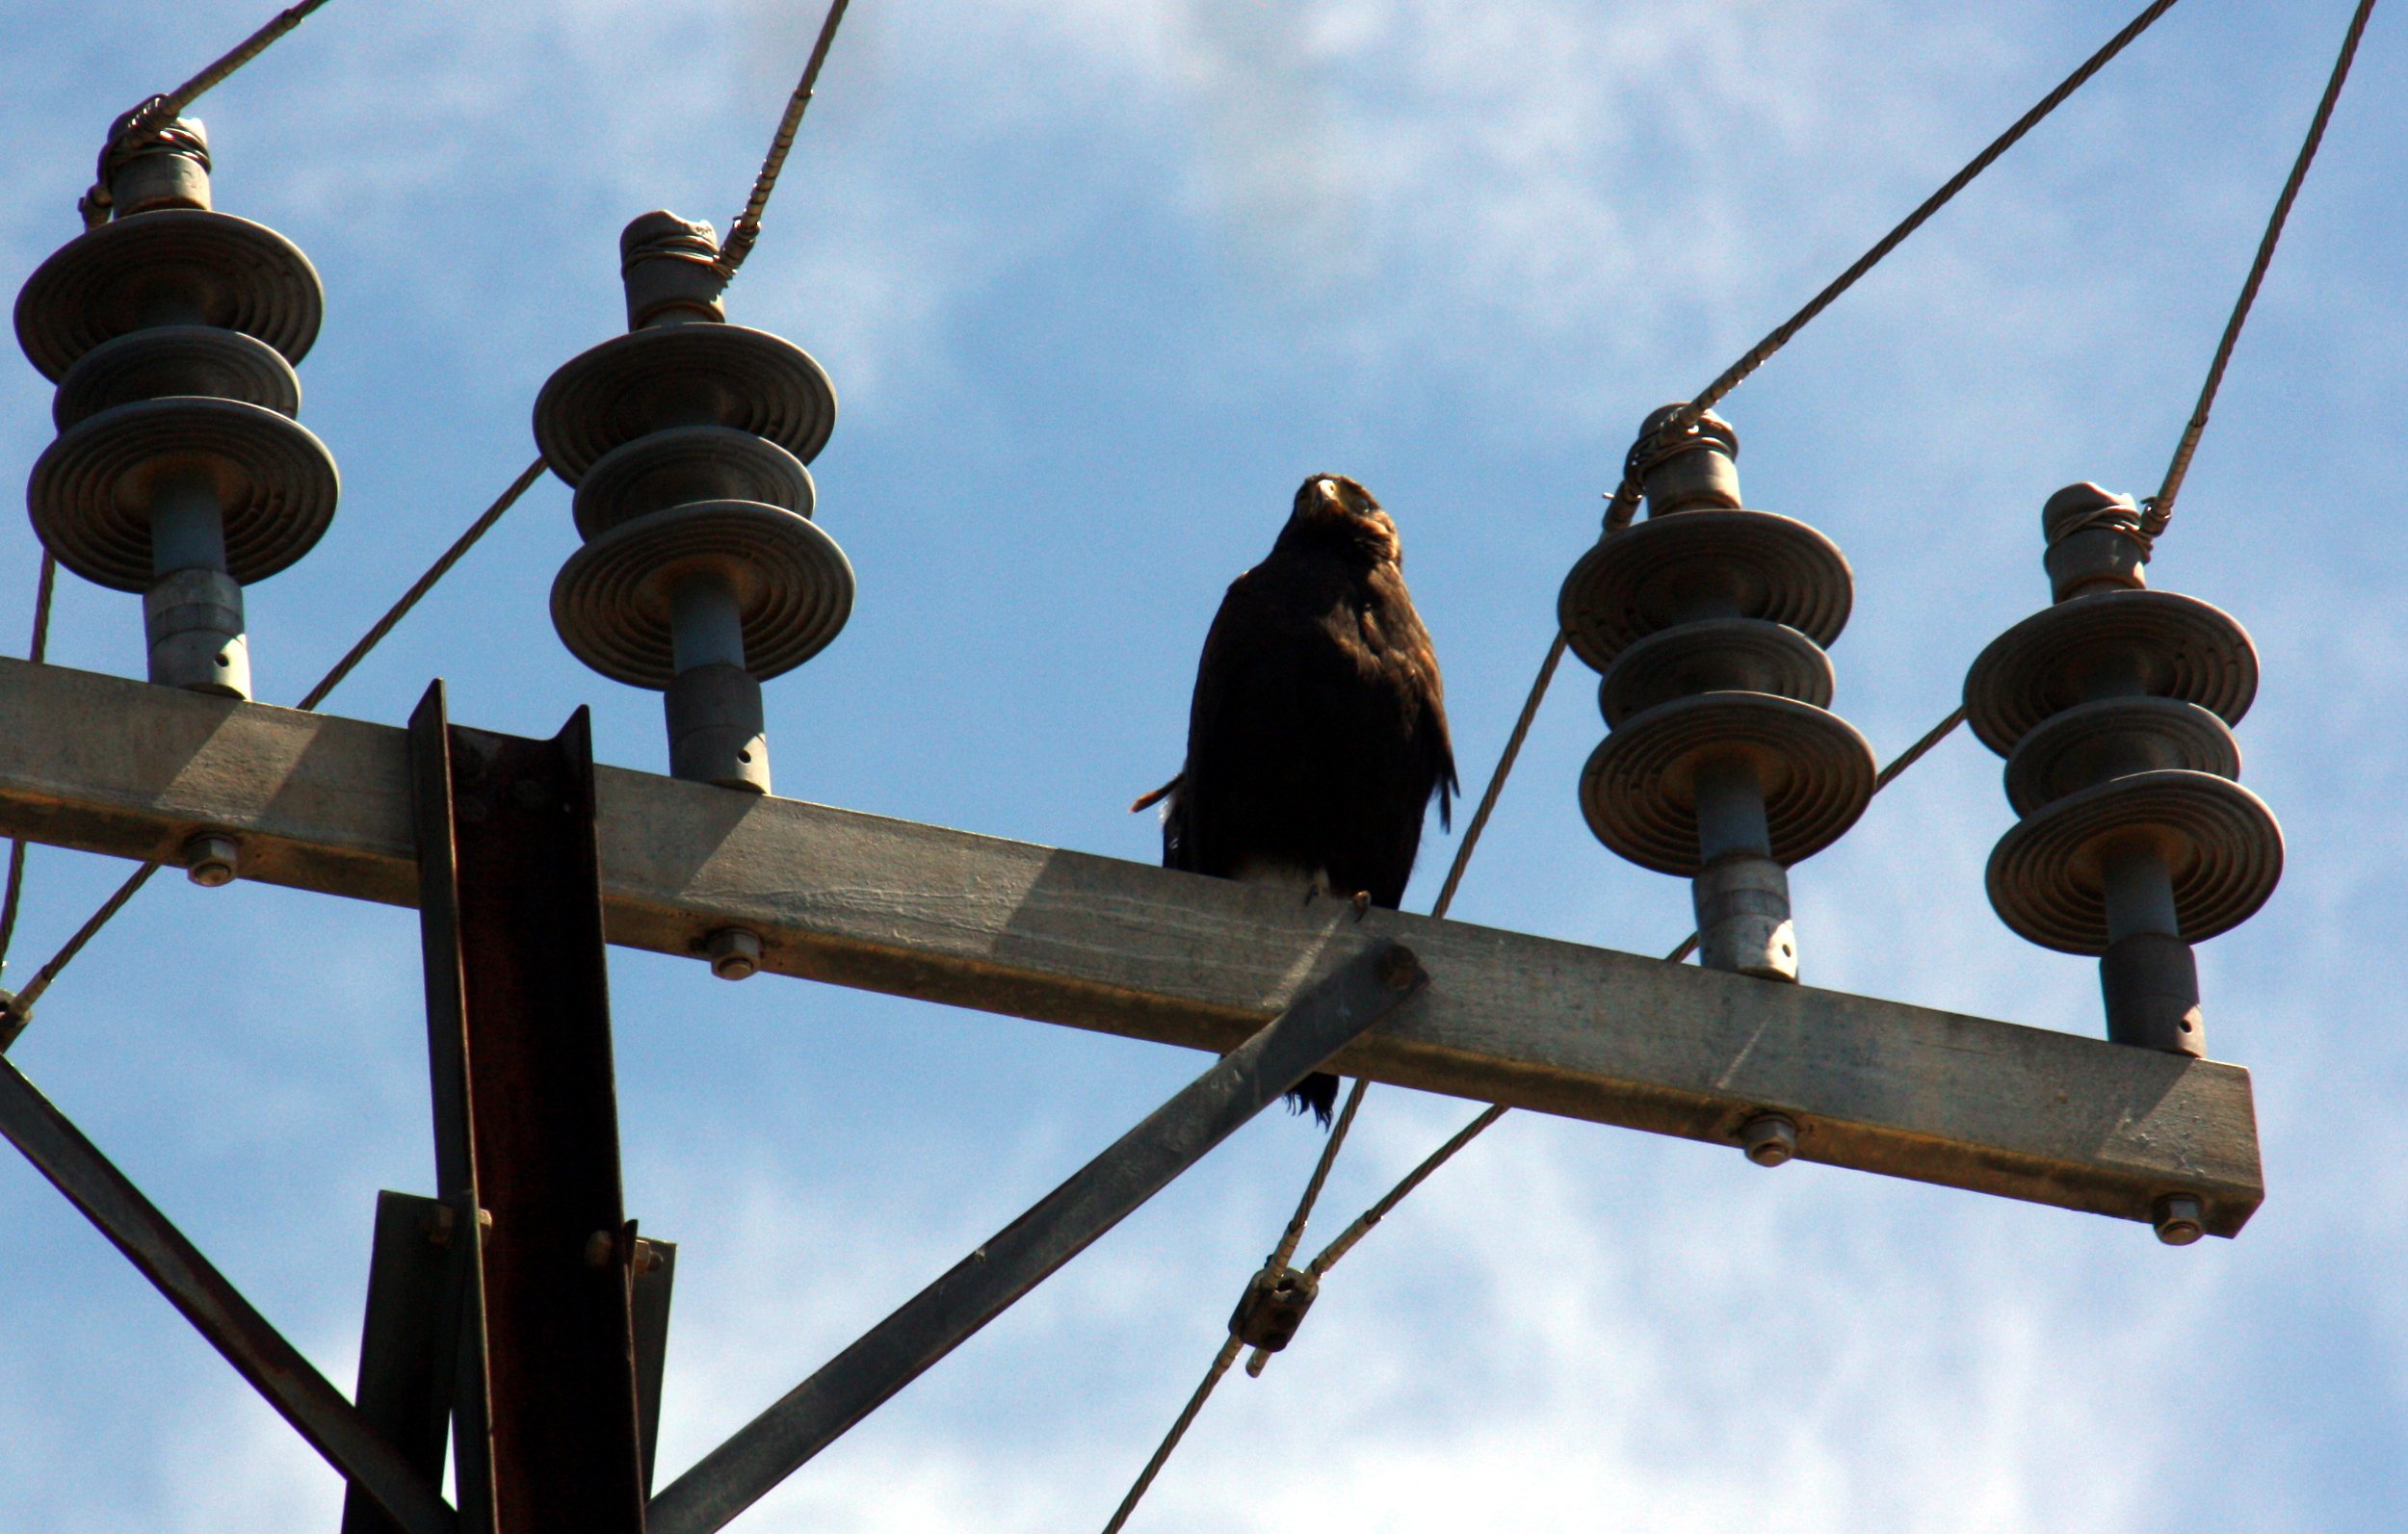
(2114, 708)
(702, 574)
(1723, 762)
(178, 472)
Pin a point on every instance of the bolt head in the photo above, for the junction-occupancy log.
(212, 861)
(735, 955)
(1770, 1139)
(2179, 1219)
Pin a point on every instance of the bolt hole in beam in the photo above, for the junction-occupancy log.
(105, 765)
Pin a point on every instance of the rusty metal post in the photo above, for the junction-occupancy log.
(408, 1344)
(527, 1127)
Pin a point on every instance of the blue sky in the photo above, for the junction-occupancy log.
(1098, 284)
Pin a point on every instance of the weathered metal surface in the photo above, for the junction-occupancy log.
(1374, 983)
(321, 803)
(408, 1344)
(258, 1352)
(525, 923)
(655, 1281)
(436, 875)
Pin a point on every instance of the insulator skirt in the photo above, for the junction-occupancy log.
(614, 602)
(1721, 654)
(92, 490)
(680, 376)
(177, 266)
(686, 465)
(1689, 566)
(176, 359)
(2221, 845)
(1638, 790)
(2093, 743)
(2140, 644)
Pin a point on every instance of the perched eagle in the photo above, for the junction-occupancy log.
(1317, 736)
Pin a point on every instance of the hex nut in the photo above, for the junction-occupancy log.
(2179, 1219)
(212, 860)
(735, 955)
(1770, 1139)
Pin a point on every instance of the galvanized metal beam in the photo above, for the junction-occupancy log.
(258, 1352)
(319, 803)
(1364, 989)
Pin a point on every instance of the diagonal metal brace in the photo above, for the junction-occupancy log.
(273, 1366)
(1024, 1253)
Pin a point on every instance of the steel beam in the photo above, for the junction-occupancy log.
(258, 1352)
(409, 1342)
(1362, 990)
(321, 803)
(527, 1115)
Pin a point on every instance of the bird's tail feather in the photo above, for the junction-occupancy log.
(1317, 1092)
(1148, 801)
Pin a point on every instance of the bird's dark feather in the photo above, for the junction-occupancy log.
(1317, 733)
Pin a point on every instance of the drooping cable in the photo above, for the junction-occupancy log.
(746, 230)
(1625, 501)
(93, 206)
(20, 1008)
(2158, 511)
(419, 587)
(1623, 504)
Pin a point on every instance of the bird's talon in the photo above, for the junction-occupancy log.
(1362, 903)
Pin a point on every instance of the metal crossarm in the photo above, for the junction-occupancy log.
(258, 1352)
(322, 803)
(1361, 991)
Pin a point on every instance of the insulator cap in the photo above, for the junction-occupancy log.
(670, 269)
(168, 166)
(1695, 469)
(2095, 542)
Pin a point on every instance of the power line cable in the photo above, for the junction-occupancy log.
(93, 206)
(16, 1011)
(2156, 511)
(746, 230)
(425, 583)
(1623, 503)
(1344, 1243)
(742, 234)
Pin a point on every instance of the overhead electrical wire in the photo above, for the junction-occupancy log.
(93, 206)
(746, 227)
(16, 1010)
(1623, 503)
(1940, 731)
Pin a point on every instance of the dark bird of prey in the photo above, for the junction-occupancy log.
(1317, 736)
